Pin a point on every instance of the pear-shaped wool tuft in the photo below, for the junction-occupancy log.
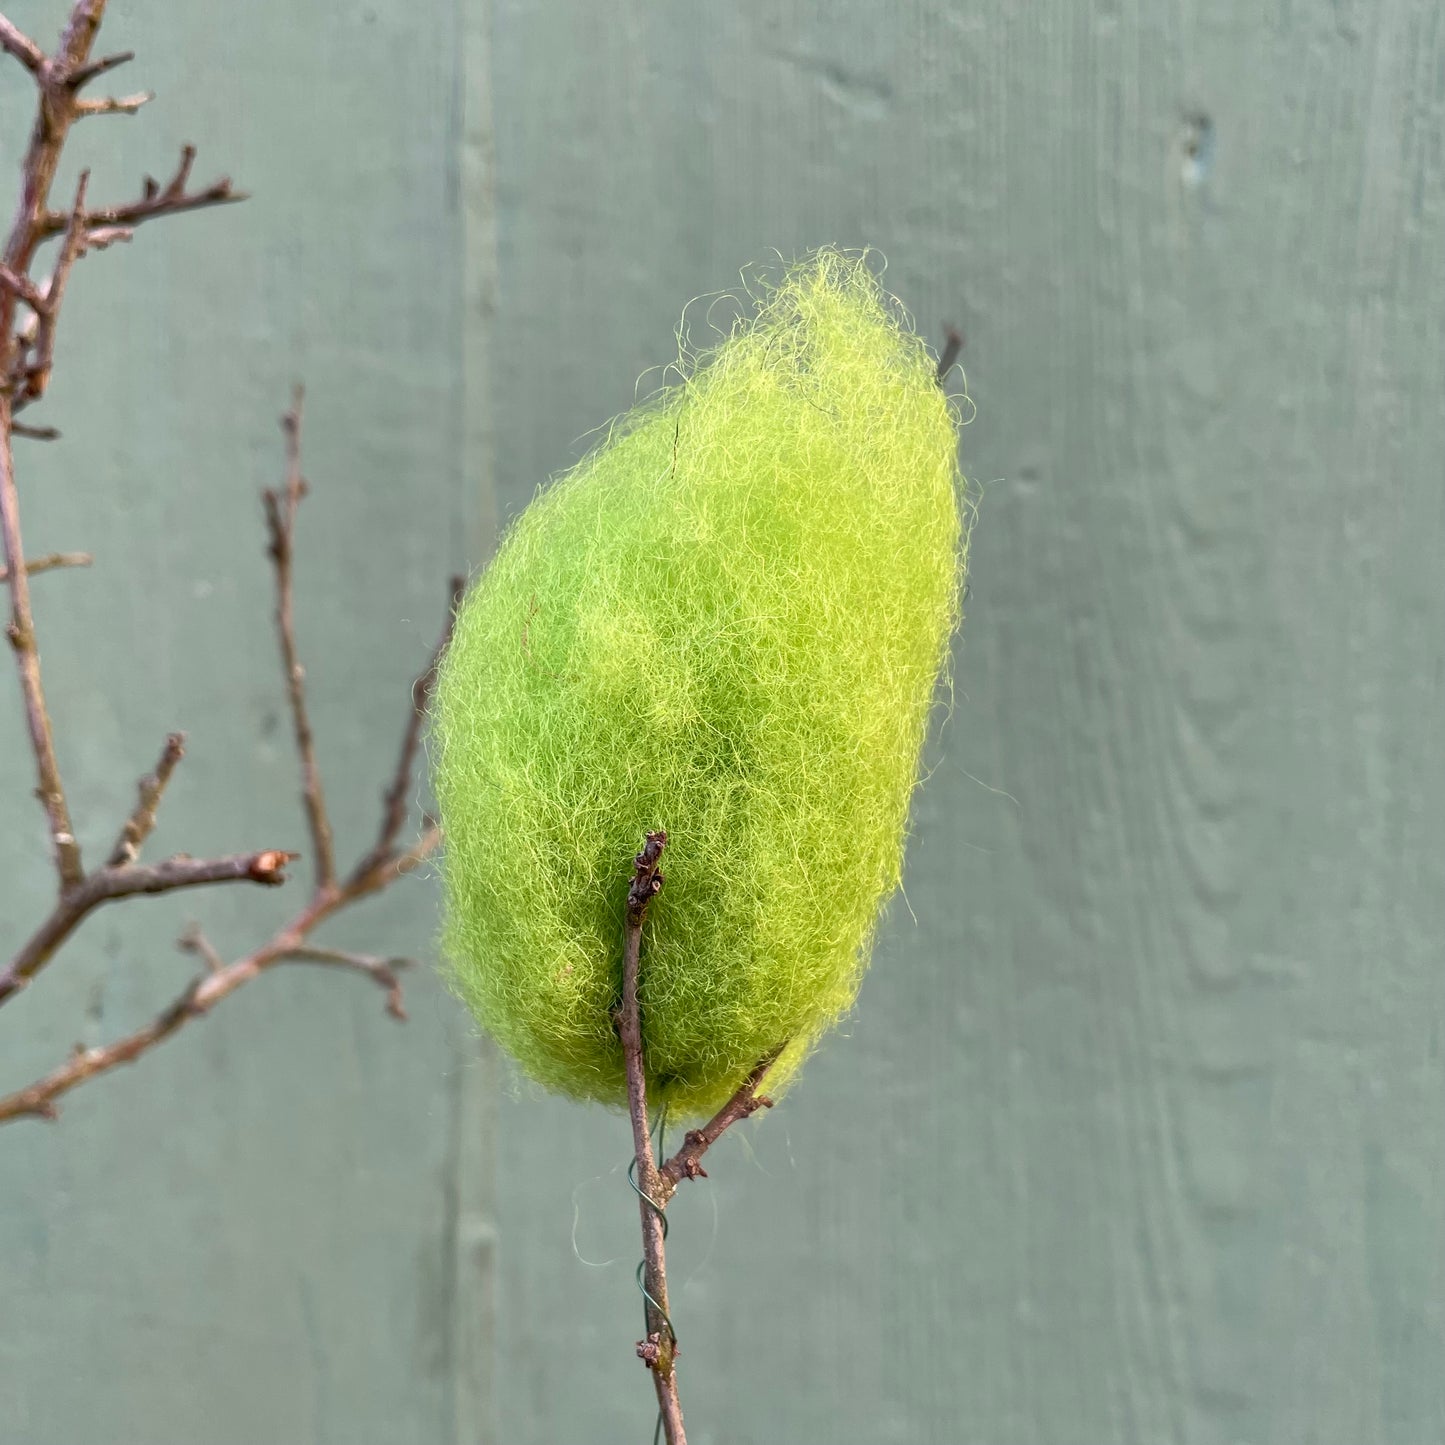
(728, 622)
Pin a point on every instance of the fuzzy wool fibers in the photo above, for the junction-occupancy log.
(727, 622)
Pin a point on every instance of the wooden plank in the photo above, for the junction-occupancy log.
(1160, 1058)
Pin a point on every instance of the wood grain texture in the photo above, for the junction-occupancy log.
(275, 1228)
(1159, 1040)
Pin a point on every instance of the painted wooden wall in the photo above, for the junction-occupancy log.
(1138, 1134)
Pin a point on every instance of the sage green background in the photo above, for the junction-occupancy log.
(1138, 1134)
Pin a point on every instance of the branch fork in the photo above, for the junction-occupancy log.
(122, 876)
(30, 308)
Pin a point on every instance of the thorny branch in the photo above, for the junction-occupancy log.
(655, 1187)
(29, 315)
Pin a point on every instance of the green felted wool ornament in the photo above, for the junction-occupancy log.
(727, 622)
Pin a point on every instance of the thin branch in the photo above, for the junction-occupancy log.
(281, 511)
(381, 872)
(26, 359)
(687, 1162)
(659, 1349)
(421, 850)
(115, 104)
(22, 47)
(36, 373)
(397, 796)
(142, 821)
(23, 287)
(38, 1100)
(193, 940)
(21, 632)
(105, 885)
(37, 173)
(82, 75)
(952, 345)
(79, 35)
(27, 343)
(655, 1186)
(54, 116)
(55, 113)
(155, 201)
(50, 561)
(181, 871)
(104, 237)
(35, 433)
(383, 970)
(381, 867)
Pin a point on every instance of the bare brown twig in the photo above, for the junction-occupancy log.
(396, 800)
(21, 632)
(156, 200)
(193, 940)
(281, 508)
(220, 980)
(142, 821)
(952, 345)
(23, 287)
(82, 75)
(33, 375)
(655, 1186)
(659, 1349)
(50, 561)
(381, 866)
(108, 884)
(385, 862)
(687, 1162)
(27, 357)
(383, 970)
(21, 46)
(39, 1100)
(115, 104)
